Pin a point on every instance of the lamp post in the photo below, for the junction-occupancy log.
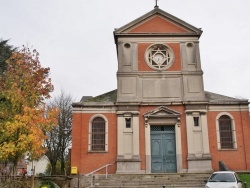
(63, 143)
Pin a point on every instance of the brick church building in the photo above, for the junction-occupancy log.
(159, 119)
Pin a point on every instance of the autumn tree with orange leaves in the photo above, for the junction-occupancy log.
(24, 119)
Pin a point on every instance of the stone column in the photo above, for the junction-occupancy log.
(128, 158)
(199, 158)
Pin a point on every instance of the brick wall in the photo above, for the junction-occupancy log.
(152, 26)
(237, 159)
(87, 161)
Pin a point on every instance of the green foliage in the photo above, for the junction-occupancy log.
(58, 168)
(47, 184)
(245, 178)
(5, 53)
(24, 86)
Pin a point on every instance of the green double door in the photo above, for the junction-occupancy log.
(163, 149)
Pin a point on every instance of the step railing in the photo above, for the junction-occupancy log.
(94, 171)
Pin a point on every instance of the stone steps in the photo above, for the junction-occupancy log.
(155, 186)
(152, 180)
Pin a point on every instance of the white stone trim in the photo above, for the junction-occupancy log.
(97, 110)
(159, 39)
(199, 157)
(228, 108)
(122, 131)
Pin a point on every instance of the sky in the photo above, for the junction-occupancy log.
(75, 39)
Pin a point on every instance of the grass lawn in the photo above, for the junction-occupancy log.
(245, 178)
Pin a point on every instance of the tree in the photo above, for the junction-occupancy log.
(59, 138)
(24, 86)
(5, 53)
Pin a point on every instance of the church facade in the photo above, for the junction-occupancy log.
(159, 119)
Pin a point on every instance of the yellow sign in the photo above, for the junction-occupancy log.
(73, 170)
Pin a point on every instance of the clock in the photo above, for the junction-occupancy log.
(158, 58)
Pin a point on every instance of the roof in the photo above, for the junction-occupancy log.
(217, 98)
(106, 97)
(212, 98)
(128, 29)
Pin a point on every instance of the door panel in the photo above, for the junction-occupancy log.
(169, 156)
(156, 153)
(163, 149)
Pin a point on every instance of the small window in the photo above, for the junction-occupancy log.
(127, 45)
(128, 122)
(98, 134)
(196, 121)
(226, 132)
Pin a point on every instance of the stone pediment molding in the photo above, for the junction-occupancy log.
(162, 111)
(173, 25)
(162, 116)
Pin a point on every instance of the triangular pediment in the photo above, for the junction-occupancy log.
(162, 112)
(158, 22)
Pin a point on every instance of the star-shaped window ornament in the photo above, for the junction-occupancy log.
(159, 57)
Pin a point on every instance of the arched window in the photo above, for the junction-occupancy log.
(98, 134)
(226, 132)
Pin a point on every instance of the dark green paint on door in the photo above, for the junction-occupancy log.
(163, 149)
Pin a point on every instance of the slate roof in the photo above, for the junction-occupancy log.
(217, 98)
(106, 97)
(212, 98)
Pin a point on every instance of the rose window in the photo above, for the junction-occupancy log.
(159, 57)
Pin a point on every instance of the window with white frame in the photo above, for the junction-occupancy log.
(226, 132)
(98, 134)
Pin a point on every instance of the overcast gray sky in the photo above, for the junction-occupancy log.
(75, 39)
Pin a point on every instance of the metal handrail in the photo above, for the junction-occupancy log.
(105, 166)
(91, 173)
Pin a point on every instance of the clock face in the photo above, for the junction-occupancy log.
(158, 58)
